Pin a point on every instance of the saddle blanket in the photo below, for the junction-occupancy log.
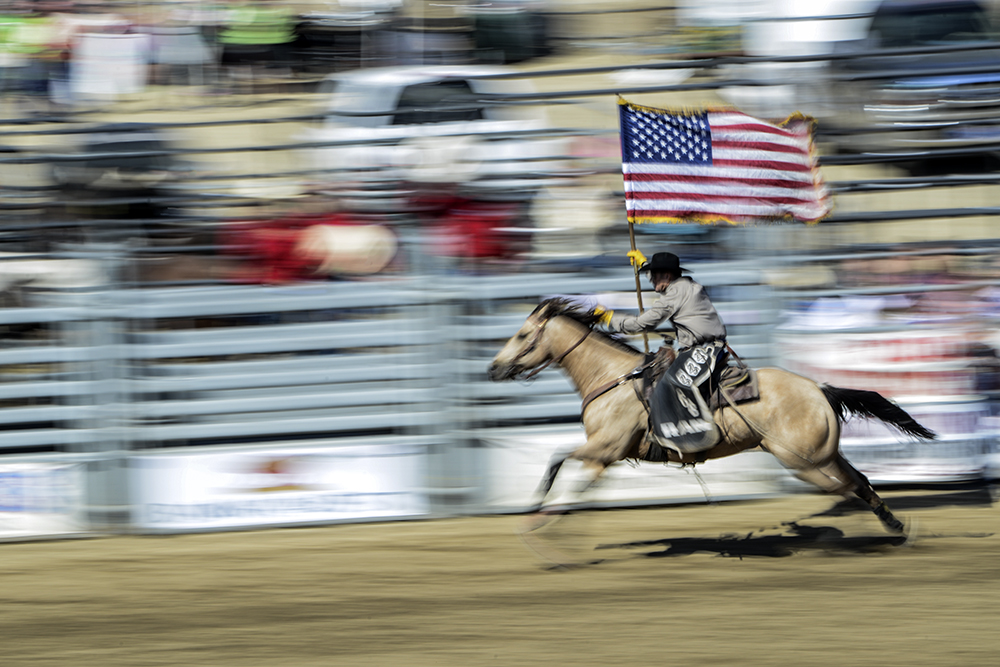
(737, 383)
(680, 419)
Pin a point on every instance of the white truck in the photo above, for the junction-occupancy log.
(445, 125)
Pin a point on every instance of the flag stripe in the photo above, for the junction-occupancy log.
(738, 171)
(756, 128)
(664, 183)
(770, 194)
(734, 208)
(736, 120)
(726, 134)
(718, 165)
(758, 146)
(701, 210)
(681, 172)
(737, 160)
(763, 164)
(752, 159)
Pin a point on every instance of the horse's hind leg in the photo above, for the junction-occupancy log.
(839, 476)
(862, 488)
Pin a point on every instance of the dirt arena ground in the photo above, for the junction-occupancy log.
(796, 581)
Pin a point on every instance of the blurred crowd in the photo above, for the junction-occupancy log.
(66, 51)
(461, 188)
(60, 59)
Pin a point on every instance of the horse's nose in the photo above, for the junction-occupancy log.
(493, 372)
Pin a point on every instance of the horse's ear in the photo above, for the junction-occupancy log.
(550, 308)
(541, 310)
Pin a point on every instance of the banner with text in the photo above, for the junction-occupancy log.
(41, 499)
(280, 486)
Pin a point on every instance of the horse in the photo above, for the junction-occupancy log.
(795, 419)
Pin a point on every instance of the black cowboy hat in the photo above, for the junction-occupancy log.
(664, 261)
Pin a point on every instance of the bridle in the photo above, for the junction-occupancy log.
(535, 338)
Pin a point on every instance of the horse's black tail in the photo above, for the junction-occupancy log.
(872, 405)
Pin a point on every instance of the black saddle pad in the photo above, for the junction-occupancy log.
(679, 416)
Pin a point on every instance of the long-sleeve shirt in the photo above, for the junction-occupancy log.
(688, 308)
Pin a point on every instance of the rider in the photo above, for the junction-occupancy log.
(701, 338)
(682, 301)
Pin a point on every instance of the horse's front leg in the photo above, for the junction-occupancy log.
(540, 514)
(549, 478)
(601, 450)
(556, 543)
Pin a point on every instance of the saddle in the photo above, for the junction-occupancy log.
(736, 379)
(680, 411)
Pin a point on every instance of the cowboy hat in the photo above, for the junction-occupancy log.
(667, 262)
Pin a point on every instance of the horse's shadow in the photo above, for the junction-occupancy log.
(797, 537)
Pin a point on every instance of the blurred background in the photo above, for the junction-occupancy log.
(256, 255)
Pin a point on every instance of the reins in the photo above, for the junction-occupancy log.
(599, 391)
(608, 386)
(553, 360)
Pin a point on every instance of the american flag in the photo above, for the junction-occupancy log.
(718, 165)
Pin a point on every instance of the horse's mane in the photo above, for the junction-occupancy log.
(585, 316)
(561, 306)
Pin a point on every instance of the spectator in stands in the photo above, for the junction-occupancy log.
(257, 33)
(33, 48)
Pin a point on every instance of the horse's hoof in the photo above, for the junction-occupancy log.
(889, 520)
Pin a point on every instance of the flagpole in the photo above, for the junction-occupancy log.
(631, 229)
(638, 283)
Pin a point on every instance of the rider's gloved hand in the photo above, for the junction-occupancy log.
(637, 258)
(603, 314)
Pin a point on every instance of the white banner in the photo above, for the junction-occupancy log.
(924, 362)
(197, 490)
(40, 499)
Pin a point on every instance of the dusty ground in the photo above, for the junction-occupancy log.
(693, 585)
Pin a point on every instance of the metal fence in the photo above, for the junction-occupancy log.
(124, 373)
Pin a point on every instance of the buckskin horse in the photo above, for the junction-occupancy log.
(795, 419)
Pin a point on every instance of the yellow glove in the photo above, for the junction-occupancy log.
(636, 257)
(603, 315)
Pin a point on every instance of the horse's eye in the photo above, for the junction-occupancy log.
(522, 336)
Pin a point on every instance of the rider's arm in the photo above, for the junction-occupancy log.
(661, 310)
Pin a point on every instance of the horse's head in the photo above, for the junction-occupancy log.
(530, 347)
